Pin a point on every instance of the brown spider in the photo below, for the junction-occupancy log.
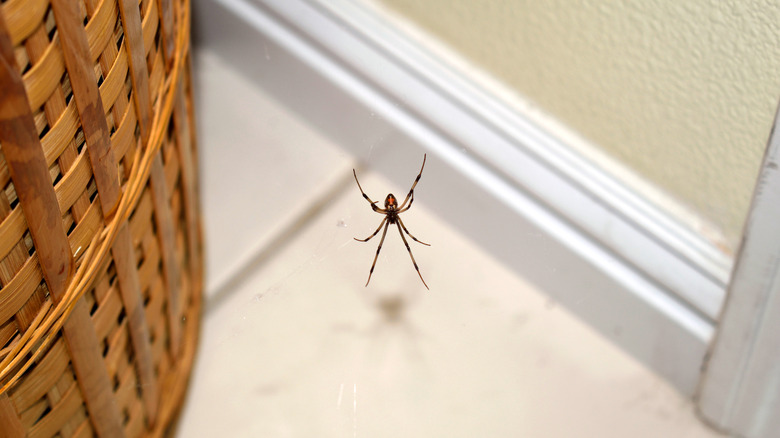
(392, 211)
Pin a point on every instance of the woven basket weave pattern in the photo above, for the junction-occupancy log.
(100, 245)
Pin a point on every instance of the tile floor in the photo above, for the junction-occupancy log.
(293, 344)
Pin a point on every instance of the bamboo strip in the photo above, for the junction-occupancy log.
(88, 100)
(37, 47)
(17, 298)
(79, 333)
(31, 296)
(60, 133)
(42, 377)
(71, 187)
(122, 248)
(6, 45)
(12, 230)
(9, 421)
(123, 138)
(176, 384)
(188, 177)
(58, 414)
(164, 222)
(134, 44)
(8, 337)
(181, 124)
(23, 16)
(18, 291)
(92, 376)
(87, 227)
(100, 28)
(149, 26)
(38, 80)
(29, 173)
(165, 9)
(139, 332)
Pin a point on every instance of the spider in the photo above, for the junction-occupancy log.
(392, 213)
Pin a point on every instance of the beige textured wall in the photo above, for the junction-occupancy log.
(682, 92)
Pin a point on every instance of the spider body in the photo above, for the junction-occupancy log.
(391, 206)
(392, 213)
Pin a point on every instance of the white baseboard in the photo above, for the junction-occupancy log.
(609, 256)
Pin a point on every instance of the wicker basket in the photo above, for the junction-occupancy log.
(100, 246)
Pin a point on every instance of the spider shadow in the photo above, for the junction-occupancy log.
(393, 335)
(392, 307)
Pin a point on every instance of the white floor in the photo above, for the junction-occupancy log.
(294, 345)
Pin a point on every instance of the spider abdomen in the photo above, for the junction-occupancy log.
(390, 201)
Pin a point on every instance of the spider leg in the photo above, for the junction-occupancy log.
(373, 203)
(379, 248)
(410, 234)
(375, 232)
(408, 206)
(415, 183)
(410, 254)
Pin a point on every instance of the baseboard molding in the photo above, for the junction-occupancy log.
(625, 267)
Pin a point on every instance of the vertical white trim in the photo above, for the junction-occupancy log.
(740, 389)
